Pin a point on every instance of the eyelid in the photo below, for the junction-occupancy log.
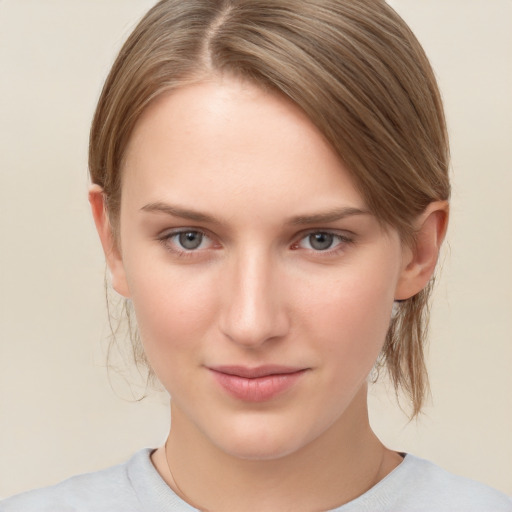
(342, 233)
(332, 231)
(166, 235)
(345, 237)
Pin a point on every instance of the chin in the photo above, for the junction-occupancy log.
(260, 441)
(259, 450)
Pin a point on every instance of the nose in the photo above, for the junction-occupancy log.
(253, 307)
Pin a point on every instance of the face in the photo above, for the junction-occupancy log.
(262, 285)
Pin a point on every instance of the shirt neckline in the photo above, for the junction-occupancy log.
(155, 495)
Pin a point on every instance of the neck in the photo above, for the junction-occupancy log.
(340, 465)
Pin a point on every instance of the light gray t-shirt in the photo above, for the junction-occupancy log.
(416, 485)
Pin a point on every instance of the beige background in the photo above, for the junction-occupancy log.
(58, 413)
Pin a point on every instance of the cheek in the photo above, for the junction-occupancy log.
(174, 309)
(350, 315)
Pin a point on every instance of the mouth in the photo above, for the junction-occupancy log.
(257, 384)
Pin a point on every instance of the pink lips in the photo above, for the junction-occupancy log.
(256, 384)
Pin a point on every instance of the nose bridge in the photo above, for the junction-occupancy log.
(253, 308)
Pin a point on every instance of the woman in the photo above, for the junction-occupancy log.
(270, 189)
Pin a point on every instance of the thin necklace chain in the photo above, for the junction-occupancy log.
(181, 494)
(185, 498)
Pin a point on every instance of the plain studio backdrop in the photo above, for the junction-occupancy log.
(58, 413)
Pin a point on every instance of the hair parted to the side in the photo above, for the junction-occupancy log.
(356, 70)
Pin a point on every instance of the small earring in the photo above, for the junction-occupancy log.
(396, 307)
(374, 374)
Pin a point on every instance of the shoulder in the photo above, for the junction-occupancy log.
(418, 485)
(101, 491)
(453, 492)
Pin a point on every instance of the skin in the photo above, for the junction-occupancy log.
(257, 291)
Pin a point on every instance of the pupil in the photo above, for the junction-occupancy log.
(321, 241)
(191, 239)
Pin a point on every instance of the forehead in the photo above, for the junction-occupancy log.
(224, 143)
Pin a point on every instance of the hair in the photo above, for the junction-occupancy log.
(356, 70)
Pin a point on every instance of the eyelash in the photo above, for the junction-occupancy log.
(165, 240)
(343, 241)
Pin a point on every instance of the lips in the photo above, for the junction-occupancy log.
(257, 384)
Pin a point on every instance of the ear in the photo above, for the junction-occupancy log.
(420, 259)
(108, 242)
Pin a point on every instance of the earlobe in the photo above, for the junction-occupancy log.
(420, 260)
(110, 248)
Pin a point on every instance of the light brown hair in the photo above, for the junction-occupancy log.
(356, 70)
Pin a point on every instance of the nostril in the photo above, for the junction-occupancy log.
(253, 324)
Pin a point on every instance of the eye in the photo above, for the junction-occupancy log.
(322, 241)
(186, 240)
(190, 240)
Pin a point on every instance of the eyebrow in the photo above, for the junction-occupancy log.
(329, 216)
(177, 211)
(315, 218)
